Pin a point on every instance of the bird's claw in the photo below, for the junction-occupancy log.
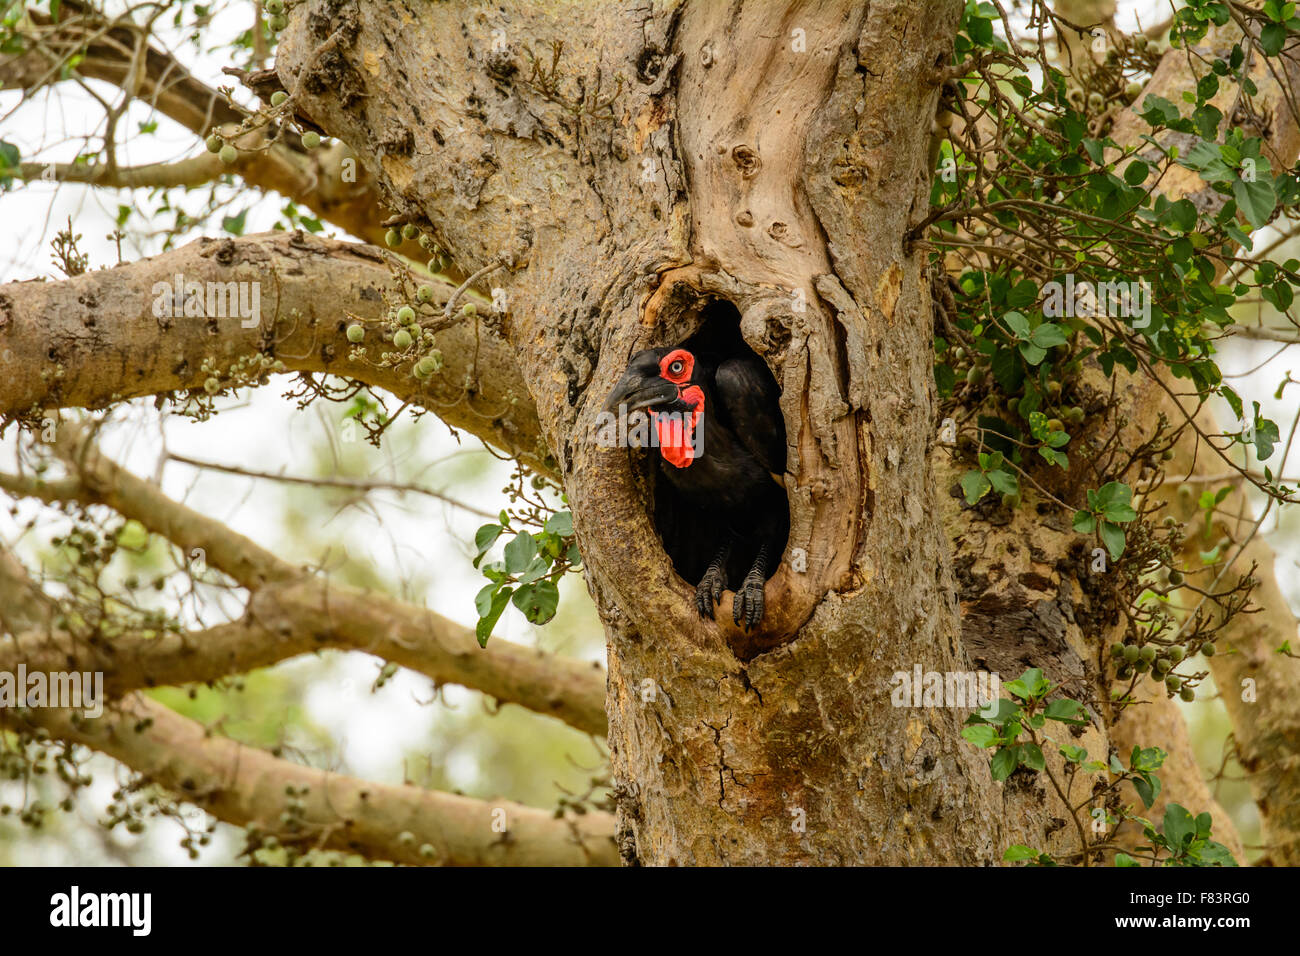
(747, 607)
(709, 591)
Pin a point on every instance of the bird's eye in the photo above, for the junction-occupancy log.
(676, 367)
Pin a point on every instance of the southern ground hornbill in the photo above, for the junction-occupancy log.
(720, 502)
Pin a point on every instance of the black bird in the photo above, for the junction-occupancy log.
(722, 510)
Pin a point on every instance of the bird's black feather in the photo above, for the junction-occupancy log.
(747, 398)
(726, 497)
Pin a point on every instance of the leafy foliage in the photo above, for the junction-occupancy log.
(1016, 733)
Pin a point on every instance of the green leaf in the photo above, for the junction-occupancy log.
(234, 224)
(1256, 199)
(1119, 513)
(1004, 483)
(484, 538)
(1030, 684)
(1112, 536)
(1031, 756)
(520, 552)
(1148, 788)
(1123, 859)
(1018, 324)
(1272, 38)
(1085, 522)
(560, 523)
(538, 601)
(1007, 370)
(982, 735)
(1111, 493)
(540, 566)
(1018, 853)
(1032, 353)
(1179, 827)
(975, 485)
(483, 629)
(1266, 436)
(1136, 172)
(1004, 762)
(1048, 335)
(1066, 711)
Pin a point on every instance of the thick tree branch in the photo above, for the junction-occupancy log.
(244, 785)
(94, 339)
(186, 172)
(291, 611)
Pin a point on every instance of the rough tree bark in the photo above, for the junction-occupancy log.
(765, 157)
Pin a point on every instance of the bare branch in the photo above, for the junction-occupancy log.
(95, 339)
(293, 611)
(244, 785)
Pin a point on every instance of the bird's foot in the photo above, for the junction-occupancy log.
(747, 608)
(709, 591)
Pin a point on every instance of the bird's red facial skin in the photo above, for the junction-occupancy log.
(677, 366)
(676, 432)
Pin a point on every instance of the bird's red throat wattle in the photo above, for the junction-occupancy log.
(676, 431)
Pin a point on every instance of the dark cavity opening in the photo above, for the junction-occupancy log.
(728, 496)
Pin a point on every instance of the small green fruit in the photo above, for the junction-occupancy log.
(1188, 694)
(310, 139)
(392, 238)
(405, 314)
(1175, 577)
(1148, 653)
(274, 6)
(1208, 649)
(1131, 653)
(428, 365)
(975, 375)
(278, 97)
(1173, 682)
(214, 143)
(410, 231)
(278, 22)
(402, 340)
(424, 294)
(211, 386)
(228, 154)
(1117, 651)
(469, 309)
(356, 333)
(1176, 653)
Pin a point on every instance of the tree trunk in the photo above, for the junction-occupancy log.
(772, 157)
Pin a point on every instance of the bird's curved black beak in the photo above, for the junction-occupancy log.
(636, 391)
